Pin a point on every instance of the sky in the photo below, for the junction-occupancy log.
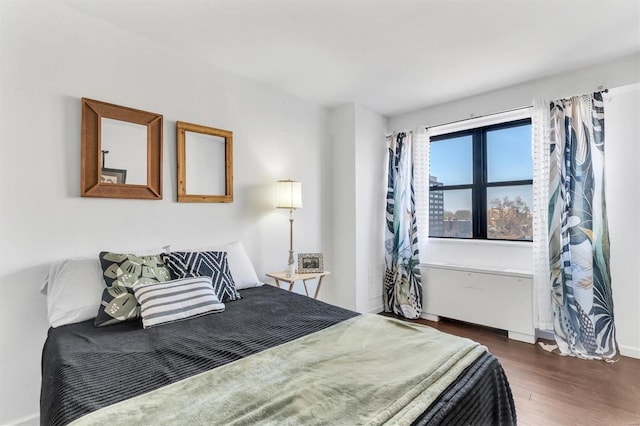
(508, 158)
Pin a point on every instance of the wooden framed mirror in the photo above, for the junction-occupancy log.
(205, 164)
(121, 153)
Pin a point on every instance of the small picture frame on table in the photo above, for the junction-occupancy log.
(310, 262)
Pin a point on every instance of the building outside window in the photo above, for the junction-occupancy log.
(436, 207)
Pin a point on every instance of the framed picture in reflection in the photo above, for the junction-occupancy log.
(113, 175)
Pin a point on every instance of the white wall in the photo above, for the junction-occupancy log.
(615, 73)
(370, 197)
(622, 139)
(342, 134)
(622, 180)
(359, 181)
(50, 56)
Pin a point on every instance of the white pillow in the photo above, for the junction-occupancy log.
(140, 252)
(74, 290)
(242, 270)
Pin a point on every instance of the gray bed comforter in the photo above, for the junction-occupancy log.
(85, 368)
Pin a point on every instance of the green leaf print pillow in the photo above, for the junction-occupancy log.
(121, 272)
(126, 270)
(118, 304)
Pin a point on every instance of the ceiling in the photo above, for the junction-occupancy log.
(390, 56)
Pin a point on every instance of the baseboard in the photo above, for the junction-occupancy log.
(376, 310)
(30, 420)
(430, 317)
(629, 351)
(521, 337)
(545, 334)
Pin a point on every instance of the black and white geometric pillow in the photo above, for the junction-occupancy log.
(186, 264)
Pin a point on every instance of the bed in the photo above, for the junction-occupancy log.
(86, 370)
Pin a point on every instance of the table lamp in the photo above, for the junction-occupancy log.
(289, 197)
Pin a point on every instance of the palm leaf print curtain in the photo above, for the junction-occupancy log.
(578, 234)
(402, 283)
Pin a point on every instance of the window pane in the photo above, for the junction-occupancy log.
(509, 212)
(450, 213)
(451, 161)
(509, 154)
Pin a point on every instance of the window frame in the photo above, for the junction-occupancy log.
(480, 183)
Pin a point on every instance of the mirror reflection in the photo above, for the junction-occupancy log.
(204, 156)
(124, 152)
(205, 164)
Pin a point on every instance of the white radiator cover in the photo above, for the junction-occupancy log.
(499, 298)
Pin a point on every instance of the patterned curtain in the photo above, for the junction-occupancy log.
(578, 233)
(402, 283)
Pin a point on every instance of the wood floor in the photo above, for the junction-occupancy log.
(549, 389)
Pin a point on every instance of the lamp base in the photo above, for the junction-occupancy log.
(290, 271)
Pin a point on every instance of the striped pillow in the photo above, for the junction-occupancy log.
(176, 300)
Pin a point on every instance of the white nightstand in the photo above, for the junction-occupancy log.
(281, 276)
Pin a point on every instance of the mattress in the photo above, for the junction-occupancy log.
(85, 368)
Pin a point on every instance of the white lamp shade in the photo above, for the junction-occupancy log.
(289, 194)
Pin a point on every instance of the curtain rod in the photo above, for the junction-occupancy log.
(473, 117)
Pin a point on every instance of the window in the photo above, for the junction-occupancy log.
(481, 183)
